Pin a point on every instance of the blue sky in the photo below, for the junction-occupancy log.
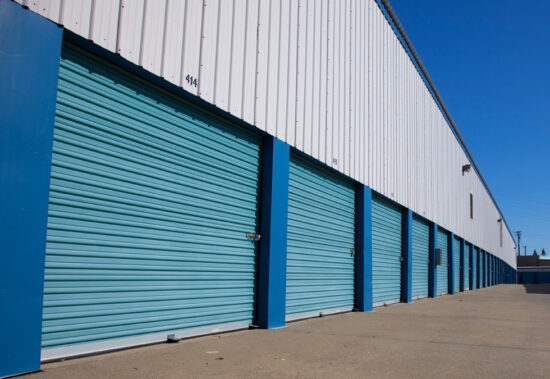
(490, 61)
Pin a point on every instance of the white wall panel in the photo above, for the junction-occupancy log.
(48, 8)
(223, 59)
(209, 49)
(292, 74)
(104, 23)
(328, 77)
(192, 45)
(76, 16)
(130, 29)
(237, 57)
(272, 71)
(153, 31)
(173, 41)
(251, 62)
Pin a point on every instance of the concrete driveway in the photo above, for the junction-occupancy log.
(503, 332)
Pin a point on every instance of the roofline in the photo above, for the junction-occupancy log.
(399, 30)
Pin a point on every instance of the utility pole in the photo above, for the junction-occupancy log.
(525, 250)
(518, 233)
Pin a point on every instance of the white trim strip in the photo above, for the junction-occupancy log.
(300, 316)
(73, 351)
(419, 297)
(389, 302)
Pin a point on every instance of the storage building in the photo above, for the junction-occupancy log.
(179, 168)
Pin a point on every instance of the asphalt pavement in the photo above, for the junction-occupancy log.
(497, 332)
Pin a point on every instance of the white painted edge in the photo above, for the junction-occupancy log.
(301, 316)
(382, 303)
(419, 297)
(72, 351)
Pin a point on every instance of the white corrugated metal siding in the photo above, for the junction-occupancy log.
(328, 77)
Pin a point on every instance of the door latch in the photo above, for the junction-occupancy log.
(352, 251)
(253, 236)
(401, 259)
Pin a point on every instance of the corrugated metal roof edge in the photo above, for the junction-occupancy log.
(401, 34)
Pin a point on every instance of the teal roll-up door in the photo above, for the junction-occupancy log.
(420, 257)
(443, 269)
(456, 263)
(150, 202)
(321, 241)
(467, 269)
(386, 252)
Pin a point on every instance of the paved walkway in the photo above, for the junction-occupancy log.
(498, 332)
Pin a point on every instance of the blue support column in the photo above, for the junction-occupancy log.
(463, 270)
(486, 256)
(451, 275)
(406, 267)
(483, 268)
(432, 277)
(488, 269)
(492, 270)
(497, 271)
(478, 268)
(470, 269)
(273, 229)
(363, 264)
(30, 49)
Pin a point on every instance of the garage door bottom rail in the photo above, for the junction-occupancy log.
(320, 313)
(74, 351)
(387, 302)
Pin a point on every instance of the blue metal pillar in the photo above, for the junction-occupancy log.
(451, 271)
(30, 49)
(483, 268)
(432, 285)
(493, 270)
(463, 273)
(470, 269)
(363, 263)
(488, 256)
(273, 229)
(478, 268)
(406, 267)
(487, 269)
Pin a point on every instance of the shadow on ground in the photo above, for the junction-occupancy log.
(537, 288)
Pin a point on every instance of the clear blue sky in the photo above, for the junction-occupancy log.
(490, 61)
